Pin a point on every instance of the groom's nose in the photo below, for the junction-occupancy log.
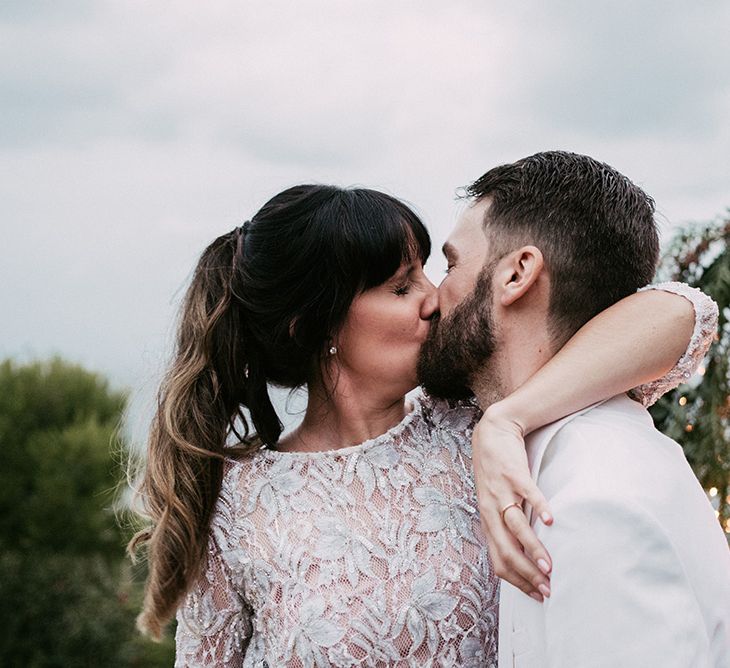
(430, 304)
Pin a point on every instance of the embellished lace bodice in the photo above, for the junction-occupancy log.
(370, 555)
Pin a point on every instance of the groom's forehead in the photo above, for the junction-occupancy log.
(469, 229)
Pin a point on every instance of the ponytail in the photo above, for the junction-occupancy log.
(261, 308)
(215, 370)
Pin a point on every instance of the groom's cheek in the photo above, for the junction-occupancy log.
(451, 293)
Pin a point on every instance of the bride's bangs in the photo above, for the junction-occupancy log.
(386, 234)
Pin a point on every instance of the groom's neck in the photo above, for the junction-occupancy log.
(518, 358)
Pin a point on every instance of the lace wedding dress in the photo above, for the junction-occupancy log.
(370, 555)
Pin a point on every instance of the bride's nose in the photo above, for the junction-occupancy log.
(430, 303)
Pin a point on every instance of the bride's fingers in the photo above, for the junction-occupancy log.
(516, 521)
(503, 571)
(523, 585)
(529, 491)
(510, 563)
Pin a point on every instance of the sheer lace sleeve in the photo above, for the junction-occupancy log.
(706, 314)
(213, 625)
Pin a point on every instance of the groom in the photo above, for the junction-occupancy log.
(641, 568)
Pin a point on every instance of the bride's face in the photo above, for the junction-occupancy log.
(379, 342)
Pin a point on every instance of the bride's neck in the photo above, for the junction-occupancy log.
(342, 415)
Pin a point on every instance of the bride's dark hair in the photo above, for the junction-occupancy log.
(263, 304)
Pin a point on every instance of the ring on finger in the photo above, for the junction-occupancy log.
(515, 504)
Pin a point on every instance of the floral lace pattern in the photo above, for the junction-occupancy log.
(366, 556)
(371, 555)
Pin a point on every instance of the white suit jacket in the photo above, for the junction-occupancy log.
(641, 567)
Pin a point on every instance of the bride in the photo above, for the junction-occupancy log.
(355, 539)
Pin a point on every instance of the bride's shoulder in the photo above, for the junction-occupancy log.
(243, 464)
(247, 471)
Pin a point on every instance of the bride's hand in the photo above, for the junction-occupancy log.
(503, 482)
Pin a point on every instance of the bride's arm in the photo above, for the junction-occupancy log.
(628, 345)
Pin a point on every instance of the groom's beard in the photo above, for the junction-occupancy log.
(459, 345)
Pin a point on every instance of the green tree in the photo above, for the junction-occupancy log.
(68, 595)
(697, 414)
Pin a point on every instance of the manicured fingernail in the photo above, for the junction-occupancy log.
(546, 517)
(536, 596)
(544, 566)
(544, 590)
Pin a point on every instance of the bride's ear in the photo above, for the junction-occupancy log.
(518, 272)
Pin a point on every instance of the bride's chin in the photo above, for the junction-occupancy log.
(401, 384)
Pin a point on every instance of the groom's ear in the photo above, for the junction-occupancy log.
(517, 273)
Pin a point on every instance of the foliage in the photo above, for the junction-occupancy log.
(697, 414)
(69, 598)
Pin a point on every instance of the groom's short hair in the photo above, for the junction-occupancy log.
(595, 228)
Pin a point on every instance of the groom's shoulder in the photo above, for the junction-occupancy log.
(610, 468)
(612, 446)
(619, 424)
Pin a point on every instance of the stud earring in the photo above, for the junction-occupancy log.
(333, 350)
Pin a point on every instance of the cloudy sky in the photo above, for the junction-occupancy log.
(132, 133)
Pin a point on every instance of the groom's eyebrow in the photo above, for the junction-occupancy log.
(449, 251)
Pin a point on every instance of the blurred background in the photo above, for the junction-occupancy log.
(133, 133)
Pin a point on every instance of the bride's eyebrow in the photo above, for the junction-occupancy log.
(401, 274)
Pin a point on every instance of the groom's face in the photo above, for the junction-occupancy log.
(466, 252)
(462, 337)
